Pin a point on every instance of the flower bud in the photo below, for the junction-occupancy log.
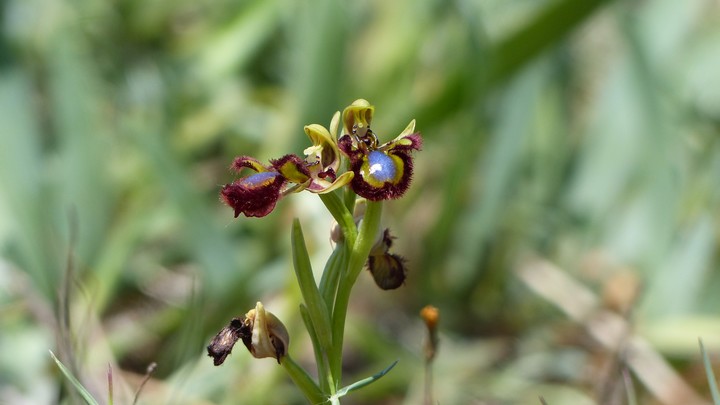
(388, 270)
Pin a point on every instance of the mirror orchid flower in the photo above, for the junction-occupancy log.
(381, 171)
(256, 195)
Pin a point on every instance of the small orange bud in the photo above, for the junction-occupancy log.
(431, 316)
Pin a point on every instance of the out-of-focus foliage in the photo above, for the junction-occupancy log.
(580, 133)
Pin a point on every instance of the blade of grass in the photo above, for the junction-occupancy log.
(232, 46)
(111, 396)
(712, 382)
(21, 177)
(315, 85)
(547, 29)
(463, 90)
(509, 55)
(499, 170)
(78, 386)
(629, 387)
(82, 133)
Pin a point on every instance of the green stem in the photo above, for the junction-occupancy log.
(327, 385)
(303, 381)
(342, 215)
(367, 234)
(349, 197)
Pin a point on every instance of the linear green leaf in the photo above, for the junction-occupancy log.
(332, 274)
(311, 295)
(359, 384)
(78, 386)
(710, 374)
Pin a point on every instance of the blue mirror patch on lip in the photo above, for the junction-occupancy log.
(381, 166)
(258, 179)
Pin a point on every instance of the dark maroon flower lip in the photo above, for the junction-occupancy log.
(381, 172)
(256, 195)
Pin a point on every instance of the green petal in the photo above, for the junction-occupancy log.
(291, 171)
(407, 131)
(318, 134)
(324, 147)
(334, 124)
(322, 187)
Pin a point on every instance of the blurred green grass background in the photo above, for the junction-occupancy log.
(578, 133)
